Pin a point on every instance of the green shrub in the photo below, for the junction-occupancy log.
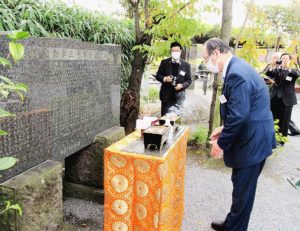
(56, 19)
(278, 135)
(298, 81)
(153, 94)
(199, 136)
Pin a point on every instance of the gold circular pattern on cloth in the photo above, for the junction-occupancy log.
(142, 166)
(158, 194)
(119, 183)
(119, 226)
(155, 220)
(120, 207)
(118, 161)
(141, 211)
(162, 170)
(142, 188)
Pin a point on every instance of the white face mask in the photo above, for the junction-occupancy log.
(175, 55)
(211, 67)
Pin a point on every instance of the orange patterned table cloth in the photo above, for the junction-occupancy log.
(144, 192)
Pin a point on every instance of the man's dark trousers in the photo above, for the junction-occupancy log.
(244, 187)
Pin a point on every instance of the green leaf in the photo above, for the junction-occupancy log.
(22, 87)
(4, 62)
(17, 35)
(7, 80)
(7, 162)
(16, 207)
(7, 205)
(20, 95)
(4, 93)
(4, 113)
(16, 50)
(2, 133)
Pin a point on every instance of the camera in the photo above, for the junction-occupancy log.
(279, 62)
(174, 78)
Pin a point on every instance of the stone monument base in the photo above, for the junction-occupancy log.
(38, 191)
(83, 192)
(84, 170)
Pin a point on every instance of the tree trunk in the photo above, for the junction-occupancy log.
(214, 117)
(226, 21)
(130, 102)
(277, 45)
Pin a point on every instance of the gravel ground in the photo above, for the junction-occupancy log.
(208, 194)
(85, 215)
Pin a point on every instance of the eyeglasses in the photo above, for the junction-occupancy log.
(206, 59)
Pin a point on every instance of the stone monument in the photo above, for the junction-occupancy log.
(74, 94)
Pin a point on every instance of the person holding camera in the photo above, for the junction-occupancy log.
(175, 76)
(283, 96)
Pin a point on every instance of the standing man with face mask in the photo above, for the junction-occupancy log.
(247, 137)
(175, 76)
(283, 96)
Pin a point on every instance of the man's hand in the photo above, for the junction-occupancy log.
(270, 81)
(178, 87)
(216, 133)
(216, 152)
(167, 79)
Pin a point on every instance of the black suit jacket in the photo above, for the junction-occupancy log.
(167, 90)
(285, 82)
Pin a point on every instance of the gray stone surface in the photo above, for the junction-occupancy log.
(29, 138)
(38, 191)
(79, 191)
(78, 82)
(86, 166)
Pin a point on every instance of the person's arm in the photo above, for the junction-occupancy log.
(294, 73)
(238, 108)
(159, 75)
(270, 72)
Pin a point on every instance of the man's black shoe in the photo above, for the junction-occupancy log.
(219, 226)
(294, 134)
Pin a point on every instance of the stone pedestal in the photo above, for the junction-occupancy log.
(38, 191)
(86, 166)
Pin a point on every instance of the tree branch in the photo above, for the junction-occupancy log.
(184, 6)
(135, 5)
(146, 14)
(242, 28)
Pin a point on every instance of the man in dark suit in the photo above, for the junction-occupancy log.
(175, 75)
(247, 137)
(283, 96)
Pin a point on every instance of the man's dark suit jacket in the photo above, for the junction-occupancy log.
(167, 91)
(248, 135)
(285, 84)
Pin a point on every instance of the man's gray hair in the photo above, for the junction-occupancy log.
(216, 43)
